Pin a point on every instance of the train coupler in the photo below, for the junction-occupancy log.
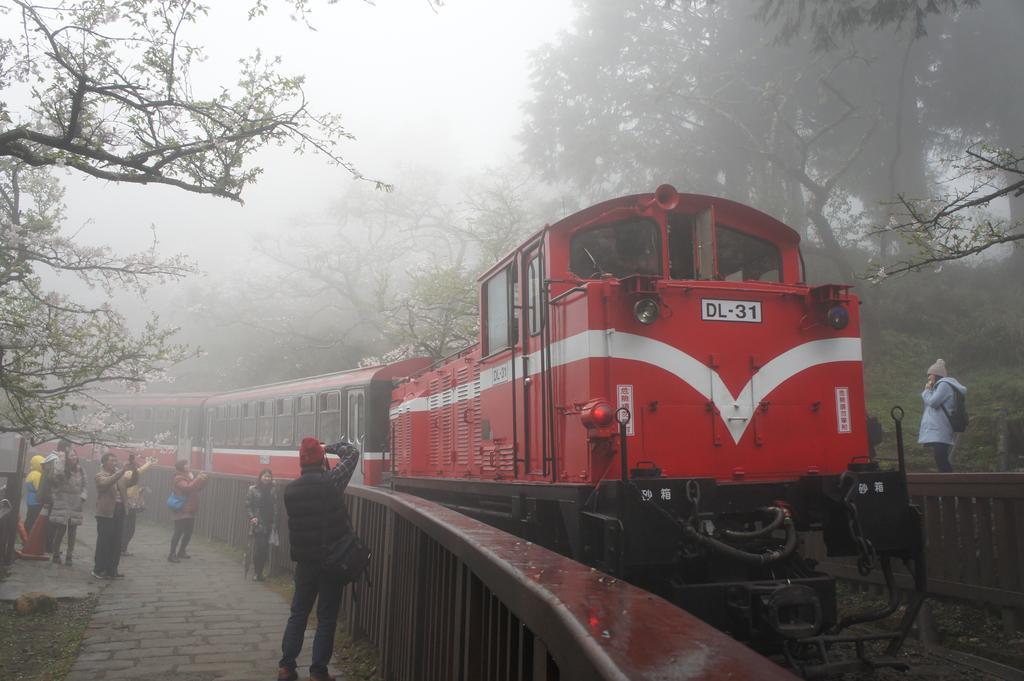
(763, 613)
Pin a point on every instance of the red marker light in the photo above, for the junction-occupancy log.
(603, 414)
(598, 415)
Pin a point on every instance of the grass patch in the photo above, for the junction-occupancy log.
(894, 375)
(963, 627)
(42, 647)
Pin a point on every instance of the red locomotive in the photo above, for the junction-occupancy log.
(656, 392)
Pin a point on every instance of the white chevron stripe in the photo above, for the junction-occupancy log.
(736, 410)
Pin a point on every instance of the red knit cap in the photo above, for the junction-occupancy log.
(311, 452)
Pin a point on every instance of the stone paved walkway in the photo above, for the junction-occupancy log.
(196, 620)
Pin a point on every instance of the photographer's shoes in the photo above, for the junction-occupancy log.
(285, 674)
(321, 677)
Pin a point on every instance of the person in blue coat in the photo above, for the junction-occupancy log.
(939, 401)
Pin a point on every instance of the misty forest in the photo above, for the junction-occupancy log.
(889, 134)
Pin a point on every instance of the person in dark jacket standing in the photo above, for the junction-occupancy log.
(317, 518)
(261, 505)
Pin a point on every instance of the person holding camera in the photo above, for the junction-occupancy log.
(134, 503)
(317, 521)
(112, 485)
(187, 486)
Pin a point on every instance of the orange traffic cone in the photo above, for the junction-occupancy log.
(35, 547)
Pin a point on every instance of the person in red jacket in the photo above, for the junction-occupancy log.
(188, 486)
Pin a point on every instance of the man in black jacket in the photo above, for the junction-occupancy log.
(317, 518)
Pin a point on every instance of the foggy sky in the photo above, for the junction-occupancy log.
(417, 88)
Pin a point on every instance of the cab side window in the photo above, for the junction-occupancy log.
(497, 297)
(742, 257)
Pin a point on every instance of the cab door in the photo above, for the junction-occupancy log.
(534, 399)
(369, 469)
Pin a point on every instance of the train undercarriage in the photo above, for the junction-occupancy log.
(736, 557)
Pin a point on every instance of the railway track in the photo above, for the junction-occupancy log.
(935, 663)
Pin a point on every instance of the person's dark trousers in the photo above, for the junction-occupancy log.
(108, 543)
(58, 537)
(941, 452)
(31, 514)
(260, 551)
(312, 582)
(51, 532)
(104, 533)
(115, 539)
(129, 528)
(183, 533)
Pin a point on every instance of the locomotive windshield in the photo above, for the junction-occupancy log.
(743, 257)
(617, 249)
(738, 256)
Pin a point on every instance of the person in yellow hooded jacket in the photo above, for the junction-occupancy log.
(32, 482)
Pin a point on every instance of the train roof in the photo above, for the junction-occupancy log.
(337, 379)
(737, 214)
(145, 399)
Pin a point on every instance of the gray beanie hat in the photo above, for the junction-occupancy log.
(939, 368)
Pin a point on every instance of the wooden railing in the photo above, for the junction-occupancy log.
(452, 598)
(974, 536)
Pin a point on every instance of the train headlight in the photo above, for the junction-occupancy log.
(597, 414)
(646, 310)
(838, 317)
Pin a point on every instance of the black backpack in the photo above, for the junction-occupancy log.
(958, 418)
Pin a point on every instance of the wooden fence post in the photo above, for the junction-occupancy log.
(1003, 441)
(925, 624)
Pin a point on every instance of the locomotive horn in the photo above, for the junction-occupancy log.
(666, 196)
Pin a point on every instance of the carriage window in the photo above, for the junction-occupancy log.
(356, 415)
(742, 257)
(619, 249)
(265, 428)
(249, 423)
(533, 296)
(496, 298)
(220, 425)
(284, 426)
(680, 246)
(234, 424)
(305, 419)
(165, 429)
(329, 425)
(142, 418)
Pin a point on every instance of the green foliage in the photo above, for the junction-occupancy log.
(54, 349)
(956, 223)
(830, 22)
(111, 95)
(964, 315)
